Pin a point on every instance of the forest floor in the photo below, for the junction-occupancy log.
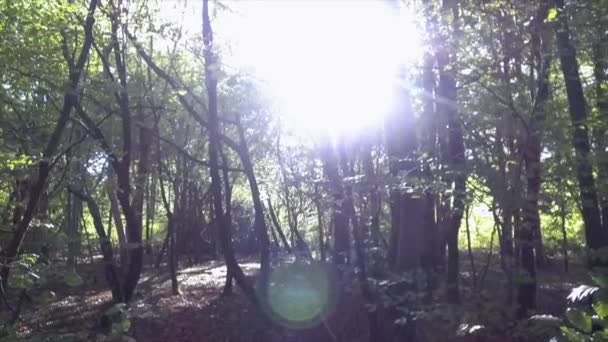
(200, 314)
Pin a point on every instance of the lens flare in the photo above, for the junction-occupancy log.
(300, 295)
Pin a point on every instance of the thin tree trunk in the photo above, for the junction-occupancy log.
(73, 208)
(320, 233)
(115, 212)
(260, 226)
(169, 242)
(341, 232)
(277, 225)
(172, 255)
(150, 212)
(600, 72)
(447, 91)
(214, 147)
(563, 215)
(349, 205)
(161, 253)
(131, 205)
(111, 273)
(228, 217)
(110, 225)
(431, 257)
(469, 246)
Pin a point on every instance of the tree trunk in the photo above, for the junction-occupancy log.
(467, 213)
(431, 257)
(150, 212)
(172, 254)
(73, 212)
(446, 58)
(595, 235)
(74, 207)
(374, 196)
(111, 273)
(563, 214)
(407, 211)
(277, 225)
(169, 242)
(214, 147)
(228, 217)
(131, 210)
(341, 248)
(530, 226)
(275, 240)
(600, 72)
(259, 222)
(115, 212)
(349, 206)
(320, 224)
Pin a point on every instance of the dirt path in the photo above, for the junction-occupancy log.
(200, 314)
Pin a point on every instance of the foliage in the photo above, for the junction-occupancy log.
(587, 318)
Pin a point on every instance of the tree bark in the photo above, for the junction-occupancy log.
(530, 226)
(600, 72)
(131, 209)
(260, 226)
(374, 196)
(596, 236)
(277, 225)
(115, 212)
(228, 217)
(214, 147)
(349, 205)
(447, 91)
(170, 239)
(74, 209)
(111, 272)
(563, 214)
(406, 198)
(320, 233)
(341, 248)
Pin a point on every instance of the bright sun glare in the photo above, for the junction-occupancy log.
(331, 66)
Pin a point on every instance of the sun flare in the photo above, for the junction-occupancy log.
(331, 66)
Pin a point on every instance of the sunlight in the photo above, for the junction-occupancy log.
(330, 66)
(326, 75)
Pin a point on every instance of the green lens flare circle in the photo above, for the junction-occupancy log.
(299, 295)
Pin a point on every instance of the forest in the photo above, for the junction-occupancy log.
(304, 170)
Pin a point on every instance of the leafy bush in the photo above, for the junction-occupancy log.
(587, 317)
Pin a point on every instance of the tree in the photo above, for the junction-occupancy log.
(596, 236)
(214, 145)
(455, 160)
(532, 160)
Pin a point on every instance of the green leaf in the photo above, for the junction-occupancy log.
(72, 279)
(601, 335)
(600, 306)
(29, 259)
(572, 335)
(552, 15)
(579, 319)
(600, 280)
